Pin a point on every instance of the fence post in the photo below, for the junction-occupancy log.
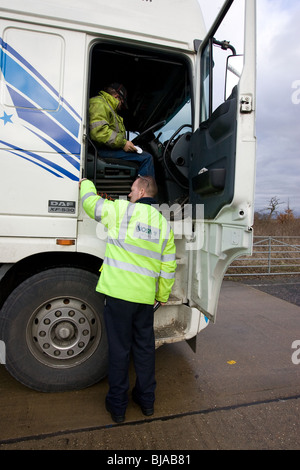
(269, 255)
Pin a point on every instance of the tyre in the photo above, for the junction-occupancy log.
(53, 329)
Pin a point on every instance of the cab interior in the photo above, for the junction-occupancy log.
(158, 118)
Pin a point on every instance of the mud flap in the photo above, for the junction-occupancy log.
(192, 342)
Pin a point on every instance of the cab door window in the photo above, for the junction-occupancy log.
(214, 60)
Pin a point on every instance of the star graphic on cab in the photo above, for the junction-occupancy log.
(6, 118)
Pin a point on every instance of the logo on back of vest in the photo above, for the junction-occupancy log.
(146, 232)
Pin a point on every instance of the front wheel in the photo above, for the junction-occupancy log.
(53, 329)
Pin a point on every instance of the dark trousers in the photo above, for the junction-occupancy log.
(129, 329)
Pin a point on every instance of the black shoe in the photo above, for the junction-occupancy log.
(145, 411)
(114, 417)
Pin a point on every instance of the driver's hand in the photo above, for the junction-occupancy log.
(129, 147)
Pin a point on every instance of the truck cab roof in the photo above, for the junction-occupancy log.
(151, 20)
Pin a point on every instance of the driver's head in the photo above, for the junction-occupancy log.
(118, 91)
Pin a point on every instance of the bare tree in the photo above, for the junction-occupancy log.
(273, 207)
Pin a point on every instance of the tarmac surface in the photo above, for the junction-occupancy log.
(285, 288)
(239, 391)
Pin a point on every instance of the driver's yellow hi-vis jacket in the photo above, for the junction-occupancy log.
(106, 125)
(139, 264)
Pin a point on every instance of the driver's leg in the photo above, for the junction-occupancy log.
(144, 159)
(146, 164)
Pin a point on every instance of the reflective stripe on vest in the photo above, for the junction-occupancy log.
(167, 275)
(95, 124)
(86, 196)
(141, 251)
(126, 220)
(98, 209)
(134, 249)
(114, 263)
(112, 138)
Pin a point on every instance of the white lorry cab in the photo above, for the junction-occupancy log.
(191, 104)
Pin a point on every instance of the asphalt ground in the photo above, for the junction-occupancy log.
(239, 391)
(284, 287)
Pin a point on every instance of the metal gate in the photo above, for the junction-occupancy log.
(271, 256)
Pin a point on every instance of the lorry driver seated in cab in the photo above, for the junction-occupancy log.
(108, 132)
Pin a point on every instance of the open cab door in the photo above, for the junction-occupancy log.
(222, 153)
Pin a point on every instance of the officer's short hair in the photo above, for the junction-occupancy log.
(148, 183)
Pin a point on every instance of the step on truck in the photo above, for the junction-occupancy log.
(191, 99)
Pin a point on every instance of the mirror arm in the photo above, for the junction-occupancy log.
(225, 45)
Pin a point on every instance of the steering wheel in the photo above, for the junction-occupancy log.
(152, 128)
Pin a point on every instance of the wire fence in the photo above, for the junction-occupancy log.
(270, 256)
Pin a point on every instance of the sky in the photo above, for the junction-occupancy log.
(277, 101)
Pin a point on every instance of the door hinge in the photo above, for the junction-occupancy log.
(246, 104)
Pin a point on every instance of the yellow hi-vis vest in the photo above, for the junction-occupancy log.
(139, 264)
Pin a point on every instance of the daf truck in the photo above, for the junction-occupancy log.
(191, 104)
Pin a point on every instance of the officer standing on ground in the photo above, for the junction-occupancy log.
(139, 267)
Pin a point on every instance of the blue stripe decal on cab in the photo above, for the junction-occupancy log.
(40, 159)
(41, 121)
(40, 98)
(69, 158)
(14, 53)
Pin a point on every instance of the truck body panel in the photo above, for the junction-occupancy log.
(56, 55)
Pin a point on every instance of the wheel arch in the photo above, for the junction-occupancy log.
(39, 262)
